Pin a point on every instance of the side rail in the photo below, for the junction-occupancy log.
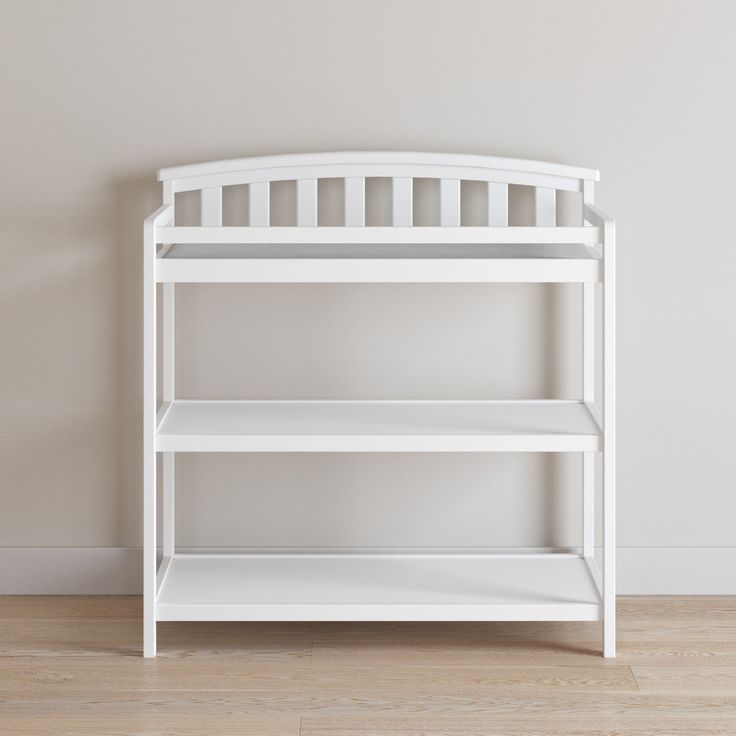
(596, 217)
(163, 216)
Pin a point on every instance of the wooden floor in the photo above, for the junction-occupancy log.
(72, 665)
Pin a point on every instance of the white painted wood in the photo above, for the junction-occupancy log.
(377, 426)
(545, 204)
(168, 341)
(402, 213)
(169, 377)
(609, 446)
(595, 574)
(168, 368)
(355, 201)
(588, 191)
(168, 482)
(320, 586)
(152, 225)
(449, 202)
(588, 372)
(170, 199)
(326, 234)
(211, 206)
(375, 270)
(599, 219)
(211, 214)
(588, 517)
(162, 572)
(417, 252)
(228, 263)
(367, 160)
(595, 412)
(294, 173)
(259, 204)
(163, 410)
(306, 203)
(498, 204)
(164, 213)
(376, 587)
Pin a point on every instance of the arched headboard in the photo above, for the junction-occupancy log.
(306, 169)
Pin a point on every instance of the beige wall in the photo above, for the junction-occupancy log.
(98, 95)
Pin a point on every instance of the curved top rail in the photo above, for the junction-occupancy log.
(385, 158)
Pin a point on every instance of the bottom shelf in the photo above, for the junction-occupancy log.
(377, 587)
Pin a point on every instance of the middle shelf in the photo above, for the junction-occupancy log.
(378, 426)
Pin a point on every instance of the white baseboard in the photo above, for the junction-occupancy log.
(117, 570)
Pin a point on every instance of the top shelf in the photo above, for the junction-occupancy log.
(379, 262)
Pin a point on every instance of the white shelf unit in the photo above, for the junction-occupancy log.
(346, 585)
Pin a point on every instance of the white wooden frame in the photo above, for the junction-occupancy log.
(197, 587)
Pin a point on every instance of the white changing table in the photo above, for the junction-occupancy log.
(420, 586)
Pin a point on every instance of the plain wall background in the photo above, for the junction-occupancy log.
(98, 95)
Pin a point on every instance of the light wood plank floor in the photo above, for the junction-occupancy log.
(72, 665)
